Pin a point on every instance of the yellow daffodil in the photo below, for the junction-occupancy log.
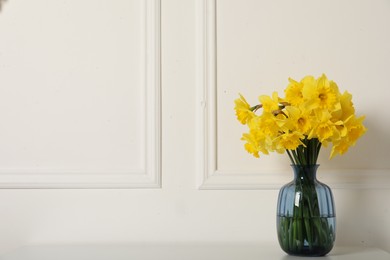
(328, 92)
(293, 92)
(255, 142)
(270, 104)
(324, 128)
(340, 147)
(321, 94)
(346, 104)
(251, 144)
(298, 119)
(355, 128)
(268, 124)
(243, 111)
(290, 141)
(312, 114)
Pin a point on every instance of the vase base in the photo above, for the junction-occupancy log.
(313, 252)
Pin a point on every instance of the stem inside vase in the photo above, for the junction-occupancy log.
(305, 216)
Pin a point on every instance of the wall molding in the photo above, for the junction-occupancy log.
(209, 177)
(150, 175)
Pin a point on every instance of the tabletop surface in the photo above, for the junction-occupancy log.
(182, 252)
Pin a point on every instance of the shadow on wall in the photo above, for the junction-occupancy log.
(1, 3)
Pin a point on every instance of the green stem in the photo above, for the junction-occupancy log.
(291, 158)
(312, 151)
(318, 149)
(301, 153)
(306, 154)
(297, 160)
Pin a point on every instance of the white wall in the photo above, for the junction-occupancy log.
(95, 54)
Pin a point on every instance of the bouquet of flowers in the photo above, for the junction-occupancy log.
(312, 113)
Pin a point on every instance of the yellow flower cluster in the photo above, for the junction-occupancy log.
(312, 109)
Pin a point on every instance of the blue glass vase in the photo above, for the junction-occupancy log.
(306, 214)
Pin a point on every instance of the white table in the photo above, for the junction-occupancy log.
(182, 252)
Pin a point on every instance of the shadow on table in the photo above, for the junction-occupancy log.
(291, 257)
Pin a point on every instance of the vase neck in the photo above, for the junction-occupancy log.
(305, 172)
